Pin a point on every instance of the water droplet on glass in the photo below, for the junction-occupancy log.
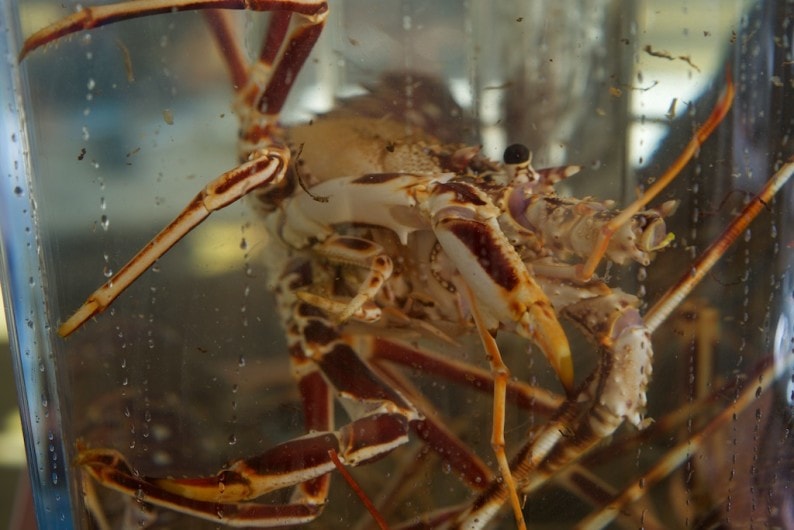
(86, 135)
(107, 271)
(241, 361)
(104, 222)
(232, 439)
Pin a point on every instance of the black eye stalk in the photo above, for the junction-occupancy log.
(516, 154)
(517, 164)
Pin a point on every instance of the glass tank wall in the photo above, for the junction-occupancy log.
(110, 132)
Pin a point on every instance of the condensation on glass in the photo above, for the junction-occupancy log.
(110, 132)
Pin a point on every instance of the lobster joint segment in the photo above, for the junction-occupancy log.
(465, 221)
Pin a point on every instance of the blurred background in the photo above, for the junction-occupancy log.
(14, 485)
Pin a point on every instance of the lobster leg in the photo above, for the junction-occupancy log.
(617, 388)
(318, 416)
(675, 295)
(437, 436)
(222, 27)
(524, 396)
(615, 392)
(258, 102)
(753, 390)
(465, 222)
(266, 168)
(358, 252)
(501, 374)
(323, 359)
(96, 16)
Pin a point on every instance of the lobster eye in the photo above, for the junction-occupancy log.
(516, 154)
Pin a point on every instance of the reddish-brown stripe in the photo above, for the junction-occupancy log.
(480, 241)
(348, 373)
(295, 455)
(255, 166)
(276, 31)
(464, 194)
(372, 431)
(287, 69)
(314, 395)
(318, 332)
